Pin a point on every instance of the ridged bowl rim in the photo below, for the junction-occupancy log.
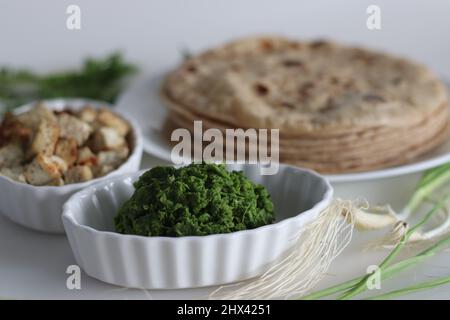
(68, 207)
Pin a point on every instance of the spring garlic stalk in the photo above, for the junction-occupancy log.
(414, 288)
(390, 270)
(361, 286)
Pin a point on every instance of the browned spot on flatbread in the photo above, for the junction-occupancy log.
(261, 89)
(373, 98)
(292, 63)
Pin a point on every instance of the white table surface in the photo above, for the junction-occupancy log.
(33, 264)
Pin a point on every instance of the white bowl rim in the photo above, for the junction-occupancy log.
(89, 191)
(137, 133)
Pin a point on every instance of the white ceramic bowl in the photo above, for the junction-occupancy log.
(40, 207)
(187, 262)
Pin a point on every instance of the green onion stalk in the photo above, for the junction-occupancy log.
(387, 273)
(429, 182)
(361, 286)
(414, 288)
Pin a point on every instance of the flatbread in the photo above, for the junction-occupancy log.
(343, 146)
(304, 87)
(338, 108)
(361, 166)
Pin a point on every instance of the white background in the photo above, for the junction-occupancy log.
(152, 34)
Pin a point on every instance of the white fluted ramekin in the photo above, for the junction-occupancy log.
(187, 262)
(40, 207)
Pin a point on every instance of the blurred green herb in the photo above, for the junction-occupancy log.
(100, 79)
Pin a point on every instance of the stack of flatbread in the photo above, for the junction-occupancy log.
(338, 108)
